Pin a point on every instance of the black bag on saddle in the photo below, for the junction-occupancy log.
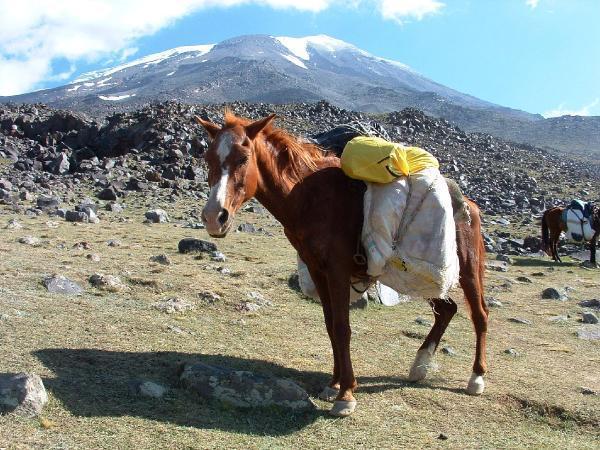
(335, 140)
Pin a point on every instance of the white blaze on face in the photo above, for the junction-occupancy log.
(218, 193)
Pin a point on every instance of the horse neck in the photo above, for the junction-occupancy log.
(272, 190)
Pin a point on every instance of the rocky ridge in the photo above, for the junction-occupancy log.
(158, 150)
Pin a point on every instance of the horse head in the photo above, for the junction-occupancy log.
(232, 170)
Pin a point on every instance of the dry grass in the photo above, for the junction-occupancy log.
(87, 348)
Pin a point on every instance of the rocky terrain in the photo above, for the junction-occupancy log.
(56, 157)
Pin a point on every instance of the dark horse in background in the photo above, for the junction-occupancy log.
(553, 224)
(321, 211)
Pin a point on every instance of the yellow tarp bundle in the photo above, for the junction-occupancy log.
(379, 161)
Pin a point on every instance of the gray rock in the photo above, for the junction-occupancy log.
(107, 194)
(554, 294)
(422, 321)
(108, 283)
(157, 216)
(114, 207)
(217, 257)
(22, 394)
(30, 240)
(246, 228)
(161, 259)
(243, 389)
(493, 302)
(589, 333)
(147, 388)
(589, 317)
(190, 245)
(507, 259)
(497, 266)
(511, 352)
(524, 279)
(173, 305)
(589, 391)
(520, 320)
(76, 216)
(209, 298)
(593, 303)
(59, 284)
(45, 202)
(13, 224)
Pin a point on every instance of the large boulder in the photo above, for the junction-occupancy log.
(22, 394)
(243, 389)
(190, 245)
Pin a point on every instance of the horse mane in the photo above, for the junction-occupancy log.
(293, 159)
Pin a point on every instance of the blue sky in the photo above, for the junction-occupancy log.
(540, 56)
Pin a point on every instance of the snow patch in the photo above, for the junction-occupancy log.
(74, 88)
(299, 46)
(115, 97)
(171, 73)
(103, 82)
(147, 60)
(295, 61)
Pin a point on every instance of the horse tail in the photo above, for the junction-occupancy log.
(545, 234)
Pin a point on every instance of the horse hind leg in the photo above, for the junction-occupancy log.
(479, 316)
(443, 311)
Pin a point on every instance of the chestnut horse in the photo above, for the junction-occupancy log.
(321, 211)
(553, 225)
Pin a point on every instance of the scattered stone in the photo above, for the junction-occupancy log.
(593, 303)
(13, 224)
(161, 259)
(589, 391)
(209, 298)
(511, 352)
(173, 305)
(157, 216)
(505, 258)
(217, 257)
(107, 194)
(256, 302)
(246, 228)
(22, 394)
(493, 302)
(59, 284)
(243, 389)
(497, 266)
(422, 321)
(114, 207)
(538, 274)
(589, 317)
(559, 319)
(189, 245)
(114, 243)
(224, 270)
(108, 283)
(442, 437)
(554, 294)
(83, 245)
(146, 388)
(589, 334)
(523, 279)
(30, 240)
(519, 320)
(76, 216)
(93, 257)
(44, 202)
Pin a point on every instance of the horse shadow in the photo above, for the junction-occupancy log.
(96, 383)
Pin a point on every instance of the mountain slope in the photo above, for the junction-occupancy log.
(283, 70)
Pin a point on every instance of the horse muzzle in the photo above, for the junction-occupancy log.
(217, 222)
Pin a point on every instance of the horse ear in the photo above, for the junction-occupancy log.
(254, 128)
(211, 128)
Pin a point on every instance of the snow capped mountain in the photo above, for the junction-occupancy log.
(272, 69)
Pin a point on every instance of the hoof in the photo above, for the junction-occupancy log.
(420, 366)
(328, 394)
(342, 408)
(476, 385)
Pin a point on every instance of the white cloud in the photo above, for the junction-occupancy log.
(36, 33)
(400, 10)
(532, 3)
(586, 110)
